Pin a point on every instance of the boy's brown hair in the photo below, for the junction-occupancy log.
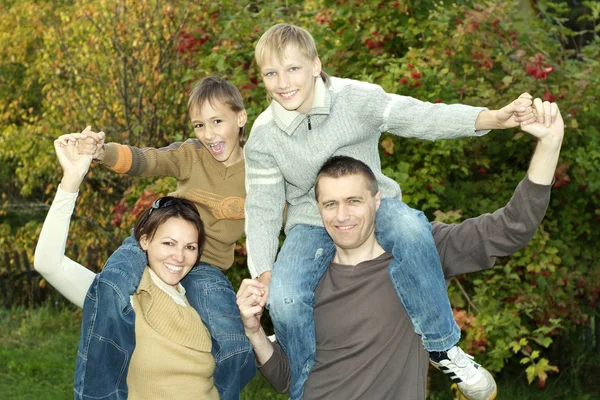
(216, 88)
(279, 37)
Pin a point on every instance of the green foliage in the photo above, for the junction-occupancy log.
(126, 67)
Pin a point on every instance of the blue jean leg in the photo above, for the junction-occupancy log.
(416, 273)
(304, 257)
(209, 291)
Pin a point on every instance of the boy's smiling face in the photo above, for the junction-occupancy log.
(290, 78)
(217, 127)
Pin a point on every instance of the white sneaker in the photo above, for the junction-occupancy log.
(473, 381)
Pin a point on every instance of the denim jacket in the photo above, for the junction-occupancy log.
(107, 339)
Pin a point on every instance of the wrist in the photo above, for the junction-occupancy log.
(486, 120)
(71, 183)
(99, 158)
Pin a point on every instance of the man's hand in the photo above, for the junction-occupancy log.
(251, 300)
(549, 123)
(550, 132)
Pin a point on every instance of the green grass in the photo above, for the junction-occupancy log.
(38, 349)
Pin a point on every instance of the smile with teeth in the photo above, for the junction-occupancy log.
(218, 147)
(173, 268)
(288, 95)
(345, 227)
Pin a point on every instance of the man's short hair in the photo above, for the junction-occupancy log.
(339, 166)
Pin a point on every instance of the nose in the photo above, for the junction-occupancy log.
(342, 213)
(178, 255)
(284, 81)
(209, 132)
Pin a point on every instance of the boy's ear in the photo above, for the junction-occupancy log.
(242, 118)
(317, 67)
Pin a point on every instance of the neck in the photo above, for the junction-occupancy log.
(366, 252)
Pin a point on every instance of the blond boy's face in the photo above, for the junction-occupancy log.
(290, 79)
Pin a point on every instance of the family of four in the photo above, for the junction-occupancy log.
(357, 292)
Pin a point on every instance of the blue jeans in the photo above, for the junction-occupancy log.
(110, 336)
(209, 291)
(415, 272)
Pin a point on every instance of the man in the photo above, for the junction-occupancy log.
(366, 347)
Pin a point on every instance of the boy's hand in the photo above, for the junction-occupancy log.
(518, 112)
(265, 278)
(93, 144)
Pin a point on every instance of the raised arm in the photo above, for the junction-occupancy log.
(71, 279)
(474, 244)
(176, 159)
(251, 300)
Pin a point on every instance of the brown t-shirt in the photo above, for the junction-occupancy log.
(366, 345)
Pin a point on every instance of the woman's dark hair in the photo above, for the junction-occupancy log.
(164, 209)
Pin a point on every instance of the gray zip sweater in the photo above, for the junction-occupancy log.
(286, 150)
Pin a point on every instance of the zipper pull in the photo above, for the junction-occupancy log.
(309, 126)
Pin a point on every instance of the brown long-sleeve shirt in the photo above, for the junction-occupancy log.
(218, 191)
(366, 345)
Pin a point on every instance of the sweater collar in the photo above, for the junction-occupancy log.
(288, 121)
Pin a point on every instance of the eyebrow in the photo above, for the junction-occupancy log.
(175, 240)
(346, 199)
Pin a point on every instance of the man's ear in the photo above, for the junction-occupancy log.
(317, 67)
(377, 200)
(242, 118)
(144, 242)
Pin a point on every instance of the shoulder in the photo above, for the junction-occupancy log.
(341, 85)
(264, 120)
(260, 128)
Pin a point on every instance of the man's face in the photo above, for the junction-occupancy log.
(348, 210)
(290, 80)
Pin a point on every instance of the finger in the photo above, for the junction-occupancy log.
(251, 312)
(525, 101)
(250, 296)
(102, 135)
(554, 112)
(527, 116)
(547, 113)
(526, 96)
(539, 109)
(243, 286)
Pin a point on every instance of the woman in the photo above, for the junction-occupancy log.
(172, 357)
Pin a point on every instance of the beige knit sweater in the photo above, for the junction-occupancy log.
(172, 357)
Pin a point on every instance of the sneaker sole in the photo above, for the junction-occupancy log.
(492, 396)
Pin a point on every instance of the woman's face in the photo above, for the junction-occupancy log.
(173, 250)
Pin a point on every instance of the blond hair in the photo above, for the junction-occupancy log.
(277, 39)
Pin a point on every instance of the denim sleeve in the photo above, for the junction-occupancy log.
(126, 265)
(107, 339)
